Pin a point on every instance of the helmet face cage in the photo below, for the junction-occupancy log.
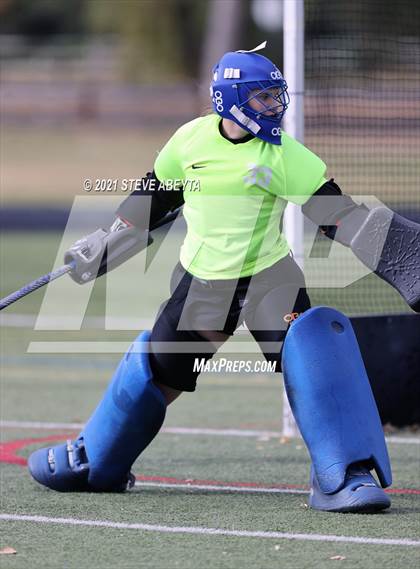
(274, 104)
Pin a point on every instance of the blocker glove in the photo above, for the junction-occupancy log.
(102, 251)
(384, 241)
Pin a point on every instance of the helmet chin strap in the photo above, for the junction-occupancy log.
(243, 119)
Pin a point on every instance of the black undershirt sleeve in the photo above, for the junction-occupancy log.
(327, 211)
(134, 209)
(329, 206)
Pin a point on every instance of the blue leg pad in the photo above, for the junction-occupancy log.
(331, 398)
(127, 419)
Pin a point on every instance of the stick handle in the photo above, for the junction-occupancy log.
(34, 285)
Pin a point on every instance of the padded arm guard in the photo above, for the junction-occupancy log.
(102, 251)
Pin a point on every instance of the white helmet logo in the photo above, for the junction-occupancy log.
(218, 101)
(276, 74)
(276, 131)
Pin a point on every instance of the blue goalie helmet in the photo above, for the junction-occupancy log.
(248, 89)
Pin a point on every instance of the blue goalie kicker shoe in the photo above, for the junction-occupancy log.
(359, 494)
(65, 468)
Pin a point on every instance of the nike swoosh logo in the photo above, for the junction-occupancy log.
(195, 167)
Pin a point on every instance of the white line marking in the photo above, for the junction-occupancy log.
(211, 487)
(232, 346)
(39, 425)
(92, 322)
(403, 440)
(210, 531)
(67, 322)
(186, 431)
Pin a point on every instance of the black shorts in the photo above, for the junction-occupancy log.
(266, 303)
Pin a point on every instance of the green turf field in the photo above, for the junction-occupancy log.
(217, 488)
(59, 389)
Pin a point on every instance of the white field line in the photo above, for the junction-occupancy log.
(216, 487)
(115, 347)
(186, 431)
(198, 530)
(63, 323)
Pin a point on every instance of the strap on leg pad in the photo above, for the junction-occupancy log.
(331, 398)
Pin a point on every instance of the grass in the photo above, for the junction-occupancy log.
(220, 402)
(47, 166)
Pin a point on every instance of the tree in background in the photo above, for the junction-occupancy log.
(170, 40)
(159, 38)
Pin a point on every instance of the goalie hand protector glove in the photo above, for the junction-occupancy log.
(389, 244)
(102, 251)
(384, 241)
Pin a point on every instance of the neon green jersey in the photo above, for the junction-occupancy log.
(235, 196)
